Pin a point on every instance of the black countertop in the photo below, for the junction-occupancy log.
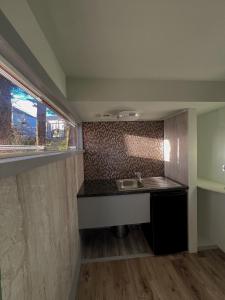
(91, 188)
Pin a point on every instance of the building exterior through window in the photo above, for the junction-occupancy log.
(28, 124)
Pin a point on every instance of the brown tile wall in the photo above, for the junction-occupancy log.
(118, 149)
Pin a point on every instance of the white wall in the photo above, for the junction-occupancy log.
(211, 145)
(22, 19)
(211, 156)
(211, 219)
(192, 181)
(180, 154)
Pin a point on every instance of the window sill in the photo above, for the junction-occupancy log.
(15, 165)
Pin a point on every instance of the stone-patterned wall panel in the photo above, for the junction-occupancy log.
(80, 170)
(39, 236)
(176, 147)
(13, 260)
(49, 204)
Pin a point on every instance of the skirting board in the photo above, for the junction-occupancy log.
(207, 247)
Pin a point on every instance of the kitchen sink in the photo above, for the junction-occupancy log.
(145, 183)
(128, 184)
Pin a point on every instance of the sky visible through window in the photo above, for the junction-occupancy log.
(26, 103)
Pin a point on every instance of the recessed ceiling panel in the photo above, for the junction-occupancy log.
(176, 39)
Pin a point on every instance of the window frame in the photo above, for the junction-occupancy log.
(20, 81)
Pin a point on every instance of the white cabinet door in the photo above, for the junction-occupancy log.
(115, 210)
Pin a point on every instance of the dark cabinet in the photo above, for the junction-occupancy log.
(167, 232)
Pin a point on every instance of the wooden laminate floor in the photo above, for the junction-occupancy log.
(184, 276)
(99, 244)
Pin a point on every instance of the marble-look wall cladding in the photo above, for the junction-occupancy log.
(39, 236)
(118, 149)
(176, 147)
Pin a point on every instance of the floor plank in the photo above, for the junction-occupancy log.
(177, 277)
(101, 243)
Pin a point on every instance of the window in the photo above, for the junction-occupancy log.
(28, 124)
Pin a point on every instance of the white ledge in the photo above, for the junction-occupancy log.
(209, 185)
(15, 165)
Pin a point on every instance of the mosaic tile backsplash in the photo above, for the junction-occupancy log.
(116, 150)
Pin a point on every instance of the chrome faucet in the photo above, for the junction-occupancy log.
(138, 174)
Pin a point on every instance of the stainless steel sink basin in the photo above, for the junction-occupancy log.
(145, 183)
(128, 184)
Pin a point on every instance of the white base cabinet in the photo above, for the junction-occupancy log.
(103, 211)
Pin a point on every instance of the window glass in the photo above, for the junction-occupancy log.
(29, 125)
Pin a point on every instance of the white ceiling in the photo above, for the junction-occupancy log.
(154, 39)
(89, 110)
